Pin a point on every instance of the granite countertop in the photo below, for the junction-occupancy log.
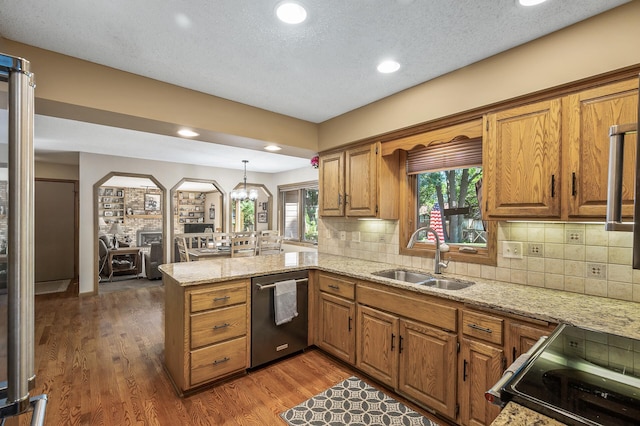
(517, 415)
(596, 313)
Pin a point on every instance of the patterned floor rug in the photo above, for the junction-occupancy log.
(354, 403)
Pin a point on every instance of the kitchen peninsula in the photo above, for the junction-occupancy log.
(190, 288)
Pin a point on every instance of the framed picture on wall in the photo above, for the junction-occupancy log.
(152, 202)
(262, 217)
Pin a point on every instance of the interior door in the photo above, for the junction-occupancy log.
(54, 230)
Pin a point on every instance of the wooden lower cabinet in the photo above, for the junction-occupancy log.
(522, 337)
(377, 346)
(427, 366)
(336, 328)
(481, 367)
(206, 332)
(336, 308)
(417, 360)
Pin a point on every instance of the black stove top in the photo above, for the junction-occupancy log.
(582, 377)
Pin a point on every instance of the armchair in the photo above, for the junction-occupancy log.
(152, 260)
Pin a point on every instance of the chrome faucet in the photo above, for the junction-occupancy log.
(440, 247)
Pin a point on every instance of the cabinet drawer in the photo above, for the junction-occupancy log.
(218, 325)
(218, 360)
(483, 327)
(337, 286)
(218, 297)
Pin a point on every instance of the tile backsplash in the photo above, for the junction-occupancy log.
(573, 257)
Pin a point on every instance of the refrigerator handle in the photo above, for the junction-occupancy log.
(614, 189)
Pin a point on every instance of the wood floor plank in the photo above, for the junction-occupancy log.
(100, 361)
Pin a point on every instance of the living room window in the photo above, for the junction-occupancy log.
(299, 212)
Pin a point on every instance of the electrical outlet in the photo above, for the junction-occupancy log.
(381, 238)
(327, 235)
(574, 346)
(535, 249)
(343, 235)
(355, 236)
(597, 271)
(574, 236)
(512, 249)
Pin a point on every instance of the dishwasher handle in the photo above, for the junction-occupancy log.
(268, 286)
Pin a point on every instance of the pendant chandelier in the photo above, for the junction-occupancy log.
(242, 193)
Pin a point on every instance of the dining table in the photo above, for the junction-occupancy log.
(208, 253)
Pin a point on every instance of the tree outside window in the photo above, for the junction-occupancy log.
(449, 200)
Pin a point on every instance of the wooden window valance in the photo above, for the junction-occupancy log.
(469, 129)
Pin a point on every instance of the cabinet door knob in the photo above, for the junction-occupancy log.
(393, 338)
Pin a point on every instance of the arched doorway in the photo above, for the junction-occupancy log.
(129, 212)
(197, 205)
(252, 215)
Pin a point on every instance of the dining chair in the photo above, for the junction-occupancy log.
(222, 240)
(182, 249)
(243, 246)
(269, 244)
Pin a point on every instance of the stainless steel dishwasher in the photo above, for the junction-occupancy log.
(268, 340)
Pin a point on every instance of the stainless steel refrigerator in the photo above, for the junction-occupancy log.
(17, 371)
(618, 134)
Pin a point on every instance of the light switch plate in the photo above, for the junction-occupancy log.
(343, 235)
(355, 236)
(512, 249)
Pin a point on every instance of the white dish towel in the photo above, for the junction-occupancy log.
(285, 301)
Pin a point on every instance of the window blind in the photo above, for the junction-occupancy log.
(455, 154)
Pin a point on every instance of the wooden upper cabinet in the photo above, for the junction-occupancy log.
(521, 156)
(331, 176)
(550, 160)
(360, 182)
(589, 114)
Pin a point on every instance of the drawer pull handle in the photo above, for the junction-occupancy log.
(220, 299)
(225, 325)
(220, 361)
(335, 287)
(477, 327)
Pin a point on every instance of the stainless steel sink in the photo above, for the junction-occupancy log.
(404, 275)
(447, 284)
(423, 279)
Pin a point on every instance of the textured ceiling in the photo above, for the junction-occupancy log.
(238, 50)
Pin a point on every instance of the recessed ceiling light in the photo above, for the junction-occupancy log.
(188, 133)
(272, 148)
(387, 67)
(291, 13)
(530, 2)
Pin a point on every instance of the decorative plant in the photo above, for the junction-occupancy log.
(315, 161)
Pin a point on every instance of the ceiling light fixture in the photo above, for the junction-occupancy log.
(242, 194)
(188, 133)
(530, 2)
(272, 148)
(291, 13)
(387, 67)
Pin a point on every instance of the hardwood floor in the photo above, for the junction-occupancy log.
(100, 361)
